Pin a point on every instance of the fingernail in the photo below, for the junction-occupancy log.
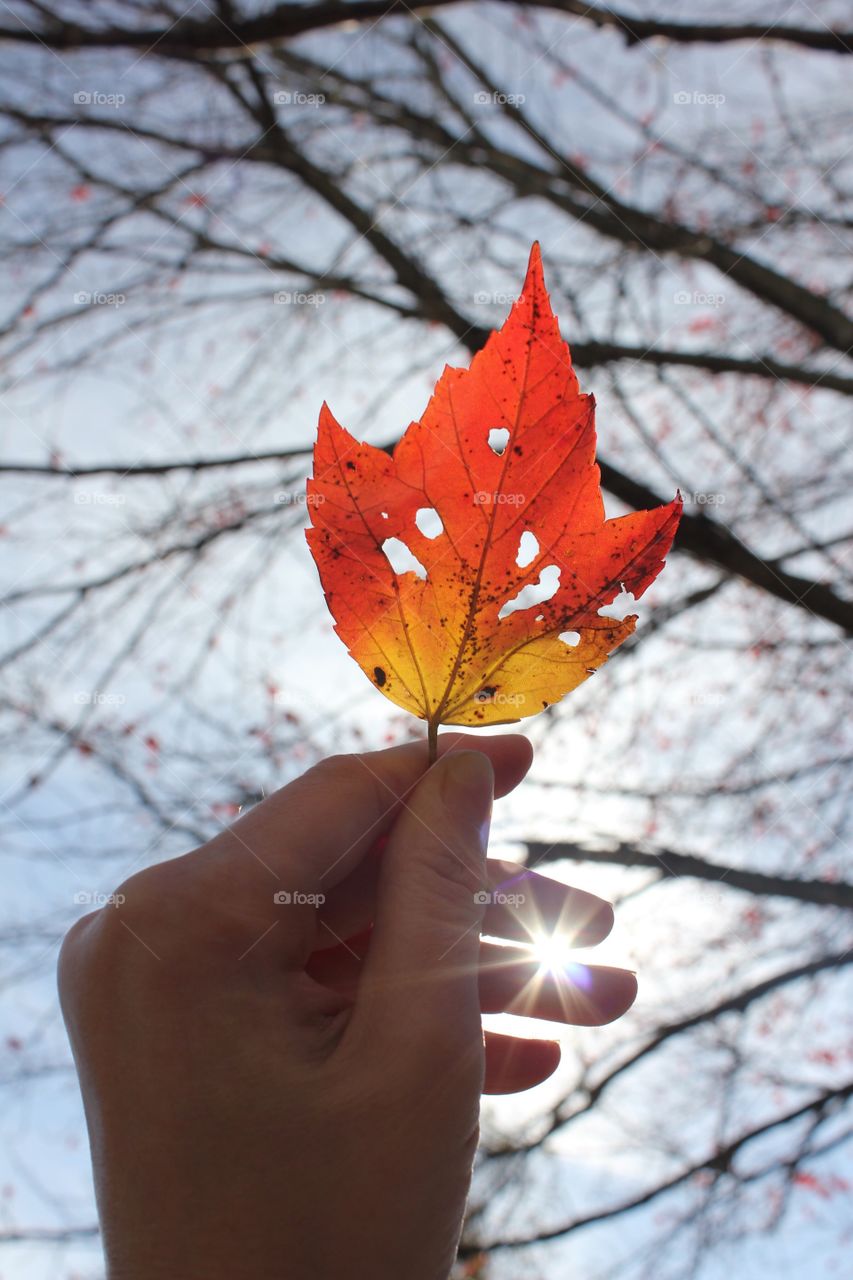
(467, 787)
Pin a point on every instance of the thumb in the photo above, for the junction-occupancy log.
(419, 985)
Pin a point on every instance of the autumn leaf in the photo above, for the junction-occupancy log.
(505, 448)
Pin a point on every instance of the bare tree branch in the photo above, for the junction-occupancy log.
(285, 21)
(670, 864)
(720, 1161)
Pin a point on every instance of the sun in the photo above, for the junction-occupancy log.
(553, 951)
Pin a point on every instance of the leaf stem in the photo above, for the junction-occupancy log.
(432, 739)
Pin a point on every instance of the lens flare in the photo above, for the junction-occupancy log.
(554, 952)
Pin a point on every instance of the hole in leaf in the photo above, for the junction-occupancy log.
(571, 638)
(498, 439)
(528, 549)
(429, 522)
(534, 592)
(384, 515)
(618, 608)
(401, 558)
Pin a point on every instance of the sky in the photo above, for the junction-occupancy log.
(251, 380)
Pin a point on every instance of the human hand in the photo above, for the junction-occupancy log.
(278, 1090)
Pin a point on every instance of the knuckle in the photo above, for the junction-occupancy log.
(445, 886)
(73, 950)
(342, 776)
(349, 778)
(457, 867)
(150, 903)
(337, 766)
(146, 895)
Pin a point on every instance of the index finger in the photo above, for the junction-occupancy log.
(312, 832)
(524, 906)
